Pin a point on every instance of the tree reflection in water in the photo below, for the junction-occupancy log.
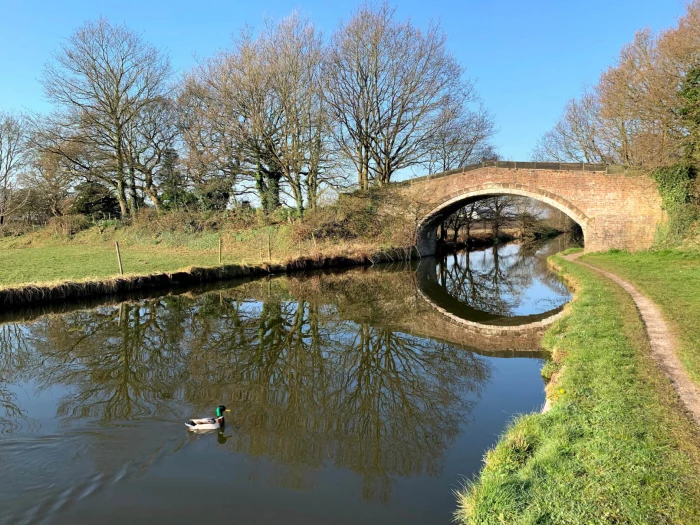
(305, 385)
(15, 357)
(121, 363)
(494, 280)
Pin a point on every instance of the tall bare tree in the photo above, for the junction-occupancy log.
(389, 87)
(635, 115)
(150, 138)
(295, 52)
(104, 80)
(14, 155)
(256, 113)
(577, 136)
(231, 119)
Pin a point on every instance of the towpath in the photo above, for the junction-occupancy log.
(661, 339)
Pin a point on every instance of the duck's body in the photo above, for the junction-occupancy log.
(209, 423)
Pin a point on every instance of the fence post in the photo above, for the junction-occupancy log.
(269, 248)
(119, 259)
(219, 249)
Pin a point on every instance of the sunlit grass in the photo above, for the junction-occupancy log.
(671, 278)
(79, 262)
(40, 258)
(616, 447)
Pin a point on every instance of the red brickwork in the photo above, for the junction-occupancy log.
(429, 320)
(614, 210)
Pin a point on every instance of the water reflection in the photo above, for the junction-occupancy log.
(305, 386)
(506, 284)
(321, 373)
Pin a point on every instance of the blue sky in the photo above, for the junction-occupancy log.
(528, 57)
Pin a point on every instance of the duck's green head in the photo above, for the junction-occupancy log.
(220, 410)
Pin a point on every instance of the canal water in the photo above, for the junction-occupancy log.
(350, 402)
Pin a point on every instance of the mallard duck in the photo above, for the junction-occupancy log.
(209, 423)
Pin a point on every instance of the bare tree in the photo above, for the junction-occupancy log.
(461, 140)
(14, 155)
(462, 219)
(635, 114)
(149, 139)
(48, 181)
(232, 118)
(497, 211)
(295, 52)
(389, 87)
(577, 136)
(104, 80)
(256, 114)
(528, 215)
(208, 127)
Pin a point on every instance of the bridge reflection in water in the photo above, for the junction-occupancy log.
(354, 369)
(503, 297)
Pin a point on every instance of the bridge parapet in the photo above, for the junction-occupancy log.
(616, 208)
(611, 169)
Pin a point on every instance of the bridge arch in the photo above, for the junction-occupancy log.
(426, 233)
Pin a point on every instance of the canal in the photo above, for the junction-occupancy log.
(350, 402)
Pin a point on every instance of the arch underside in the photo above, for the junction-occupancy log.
(426, 240)
(451, 205)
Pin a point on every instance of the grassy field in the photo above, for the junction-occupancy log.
(42, 257)
(671, 278)
(616, 446)
(79, 262)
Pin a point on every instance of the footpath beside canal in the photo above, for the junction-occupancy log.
(617, 445)
(661, 339)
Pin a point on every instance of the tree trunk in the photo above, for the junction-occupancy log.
(152, 192)
(133, 196)
(261, 187)
(154, 199)
(311, 190)
(298, 196)
(121, 198)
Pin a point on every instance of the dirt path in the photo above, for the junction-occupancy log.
(661, 339)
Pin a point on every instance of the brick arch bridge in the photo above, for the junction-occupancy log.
(615, 208)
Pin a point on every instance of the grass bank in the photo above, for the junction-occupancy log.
(72, 248)
(615, 447)
(46, 266)
(83, 261)
(671, 278)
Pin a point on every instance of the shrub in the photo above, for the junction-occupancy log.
(678, 186)
(68, 225)
(377, 215)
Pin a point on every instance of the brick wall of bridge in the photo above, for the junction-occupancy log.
(614, 210)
